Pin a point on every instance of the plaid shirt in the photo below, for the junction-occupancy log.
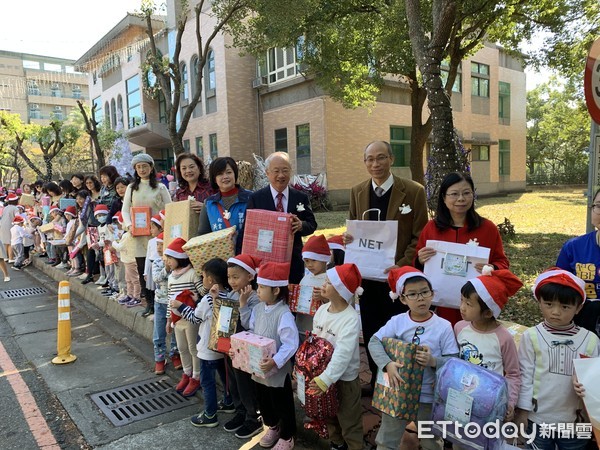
(202, 191)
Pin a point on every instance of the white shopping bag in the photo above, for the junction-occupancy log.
(451, 267)
(374, 246)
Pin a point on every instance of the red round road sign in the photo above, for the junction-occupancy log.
(591, 81)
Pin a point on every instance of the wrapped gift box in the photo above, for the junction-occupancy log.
(218, 244)
(180, 221)
(301, 299)
(27, 200)
(587, 370)
(140, 220)
(63, 203)
(465, 393)
(268, 235)
(47, 227)
(402, 402)
(250, 349)
(226, 313)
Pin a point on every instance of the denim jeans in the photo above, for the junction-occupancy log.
(209, 385)
(551, 442)
(159, 336)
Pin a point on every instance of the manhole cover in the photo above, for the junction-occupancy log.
(25, 292)
(138, 401)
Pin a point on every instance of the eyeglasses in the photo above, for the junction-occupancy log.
(595, 209)
(416, 295)
(380, 159)
(418, 332)
(457, 195)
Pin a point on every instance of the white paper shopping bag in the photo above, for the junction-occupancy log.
(374, 246)
(451, 267)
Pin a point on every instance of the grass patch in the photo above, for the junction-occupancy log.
(543, 221)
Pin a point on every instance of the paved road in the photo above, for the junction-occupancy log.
(48, 406)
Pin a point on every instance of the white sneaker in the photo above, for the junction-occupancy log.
(10, 261)
(62, 266)
(101, 280)
(83, 276)
(6, 279)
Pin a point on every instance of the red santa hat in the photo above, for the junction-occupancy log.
(346, 280)
(397, 278)
(118, 217)
(55, 208)
(12, 198)
(18, 219)
(100, 209)
(71, 210)
(559, 276)
(316, 248)
(495, 288)
(160, 237)
(246, 262)
(175, 249)
(35, 218)
(162, 214)
(157, 220)
(273, 274)
(336, 242)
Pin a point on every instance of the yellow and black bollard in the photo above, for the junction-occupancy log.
(63, 344)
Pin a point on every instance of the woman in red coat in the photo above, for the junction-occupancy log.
(457, 221)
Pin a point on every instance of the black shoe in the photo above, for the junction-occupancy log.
(248, 430)
(342, 446)
(235, 423)
(148, 312)
(227, 408)
(88, 279)
(42, 255)
(56, 263)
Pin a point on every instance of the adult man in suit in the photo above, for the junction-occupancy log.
(279, 196)
(390, 194)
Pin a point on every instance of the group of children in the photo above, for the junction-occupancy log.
(184, 303)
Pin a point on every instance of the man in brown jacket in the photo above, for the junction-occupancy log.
(392, 195)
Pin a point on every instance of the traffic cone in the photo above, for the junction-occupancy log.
(63, 344)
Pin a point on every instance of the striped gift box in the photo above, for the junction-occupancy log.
(268, 235)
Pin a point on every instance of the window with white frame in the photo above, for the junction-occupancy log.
(280, 64)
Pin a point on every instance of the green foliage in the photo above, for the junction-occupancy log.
(558, 133)
(507, 230)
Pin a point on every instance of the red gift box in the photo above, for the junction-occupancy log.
(301, 299)
(268, 235)
(92, 236)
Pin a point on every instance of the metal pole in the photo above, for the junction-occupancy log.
(594, 172)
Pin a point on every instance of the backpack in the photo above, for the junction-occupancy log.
(481, 396)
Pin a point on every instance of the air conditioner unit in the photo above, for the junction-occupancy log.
(58, 108)
(34, 106)
(259, 82)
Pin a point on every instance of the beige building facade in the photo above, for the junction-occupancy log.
(251, 108)
(40, 88)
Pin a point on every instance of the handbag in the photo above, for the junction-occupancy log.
(373, 248)
(451, 267)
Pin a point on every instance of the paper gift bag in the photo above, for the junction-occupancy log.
(92, 236)
(226, 313)
(402, 402)
(27, 200)
(268, 235)
(302, 300)
(373, 248)
(140, 220)
(587, 370)
(63, 203)
(218, 244)
(180, 221)
(249, 350)
(110, 256)
(451, 267)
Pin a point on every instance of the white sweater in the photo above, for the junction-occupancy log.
(342, 330)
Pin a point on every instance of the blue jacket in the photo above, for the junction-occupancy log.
(237, 210)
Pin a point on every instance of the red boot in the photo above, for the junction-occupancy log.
(176, 360)
(159, 367)
(191, 388)
(185, 379)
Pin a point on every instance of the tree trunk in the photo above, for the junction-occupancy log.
(420, 131)
(91, 128)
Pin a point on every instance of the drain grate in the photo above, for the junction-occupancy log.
(25, 292)
(139, 401)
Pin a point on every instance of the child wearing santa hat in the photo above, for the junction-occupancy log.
(483, 340)
(546, 354)
(182, 276)
(56, 252)
(339, 323)
(419, 326)
(156, 227)
(17, 235)
(125, 247)
(272, 318)
(316, 255)
(338, 251)
(241, 274)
